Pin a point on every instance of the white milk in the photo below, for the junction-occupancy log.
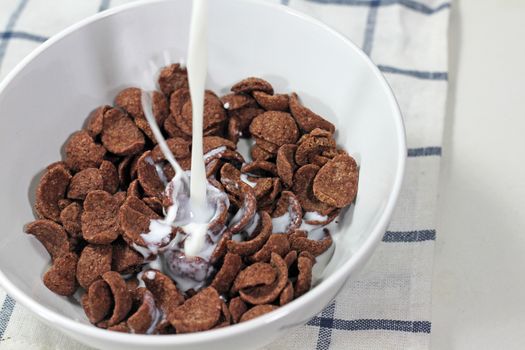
(197, 67)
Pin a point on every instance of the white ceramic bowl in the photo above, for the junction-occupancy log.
(50, 93)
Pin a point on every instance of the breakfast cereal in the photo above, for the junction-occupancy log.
(101, 213)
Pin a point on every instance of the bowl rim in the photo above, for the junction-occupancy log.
(72, 325)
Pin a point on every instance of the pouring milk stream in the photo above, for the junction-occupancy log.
(202, 196)
(197, 68)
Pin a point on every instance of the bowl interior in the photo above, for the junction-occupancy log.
(51, 96)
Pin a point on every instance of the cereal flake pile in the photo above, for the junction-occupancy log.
(94, 207)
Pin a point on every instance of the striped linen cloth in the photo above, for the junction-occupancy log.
(388, 305)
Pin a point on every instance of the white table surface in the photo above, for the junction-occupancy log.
(479, 273)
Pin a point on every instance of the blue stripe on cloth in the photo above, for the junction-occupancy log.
(414, 73)
(5, 314)
(10, 26)
(23, 35)
(368, 40)
(374, 324)
(409, 236)
(104, 5)
(410, 4)
(424, 152)
(324, 339)
(419, 7)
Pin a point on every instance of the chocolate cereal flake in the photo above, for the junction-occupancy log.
(276, 243)
(299, 241)
(70, 218)
(275, 127)
(155, 204)
(225, 319)
(261, 234)
(82, 152)
(253, 84)
(285, 164)
(199, 313)
(122, 327)
(121, 296)
(278, 102)
(60, 278)
(303, 189)
(173, 77)
(290, 258)
(120, 197)
(310, 146)
(134, 189)
(177, 145)
(148, 176)
(254, 275)
(85, 181)
(307, 119)
(213, 142)
(63, 203)
(125, 259)
(51, 188)
(96, 121)
(336, 182)
(99, 218)
(237, 308)
(171, 128)
(259, 153)
(268, 146)
(164, 291)
(129, 100)
(260, 168)
(263, 186)
(94, 261)
(268, 293)
(287, 294)
(245, 116)
(145, 317)
(267, 202)
(257, 311)
(233, 132)
(120, 135)
(181, 109)
(221, 248)
(52, 236)
(224, 278)
(288, 206)
(110, 177)
(304, 279)
(123, 170)
(233, 102)
(97, 301)
(134, 218)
